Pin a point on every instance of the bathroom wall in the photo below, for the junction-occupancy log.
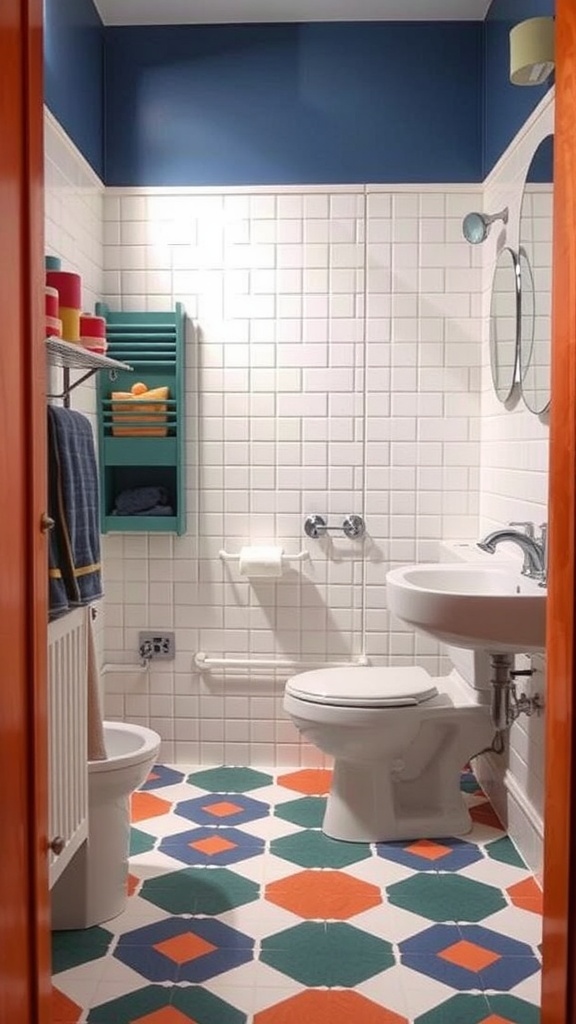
(506, 107)
(74, 228)
(279, 104)
(514, 486)
(333, 367)
(74, 41)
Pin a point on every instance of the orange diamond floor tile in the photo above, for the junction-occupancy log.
(181, 949)
(428, 849)
(469, 955)
(64, 1011)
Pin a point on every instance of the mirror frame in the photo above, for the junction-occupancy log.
(504, 392)
(528, 318)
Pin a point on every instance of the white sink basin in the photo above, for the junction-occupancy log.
(488, 607)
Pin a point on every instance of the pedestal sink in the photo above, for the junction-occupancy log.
(486, 607)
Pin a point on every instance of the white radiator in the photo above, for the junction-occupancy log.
(67, 747)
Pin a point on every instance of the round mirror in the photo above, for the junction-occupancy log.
(505, 324)
(536, 278)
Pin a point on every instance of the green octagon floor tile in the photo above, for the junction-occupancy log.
(155, 1003)
(513, 1009)
(199, 891)
(319, 954)
(70, 949)
(477, 1009)
(140, 842)
(229, 780)
(307, 812)
(504, 850)
(446, 897)
(312, 849)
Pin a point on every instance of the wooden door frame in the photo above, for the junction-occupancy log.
(24, 904)
(559, 954)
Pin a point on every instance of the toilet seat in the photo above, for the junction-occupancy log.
(359, 687)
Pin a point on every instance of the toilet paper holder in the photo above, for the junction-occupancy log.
(352, 526)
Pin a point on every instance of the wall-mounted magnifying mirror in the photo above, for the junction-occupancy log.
(505, 323)
(535, 258)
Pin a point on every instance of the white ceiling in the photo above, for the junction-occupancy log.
(189, 12)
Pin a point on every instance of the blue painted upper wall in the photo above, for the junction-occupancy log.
(279, 104)
(295, 103)
(74, 74)
(506, 106)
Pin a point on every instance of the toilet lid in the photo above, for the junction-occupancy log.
(372, 686)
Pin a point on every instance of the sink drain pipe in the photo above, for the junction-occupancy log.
(506, 705)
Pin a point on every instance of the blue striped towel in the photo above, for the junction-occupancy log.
(73, 504)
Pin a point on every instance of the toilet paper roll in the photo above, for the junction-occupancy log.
(261, 561)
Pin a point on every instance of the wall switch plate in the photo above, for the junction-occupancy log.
(162, 645)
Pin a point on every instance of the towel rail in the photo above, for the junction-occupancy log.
(204, 662)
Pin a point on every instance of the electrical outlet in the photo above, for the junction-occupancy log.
(162, 644)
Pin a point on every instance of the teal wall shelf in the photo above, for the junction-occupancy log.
(153, 345)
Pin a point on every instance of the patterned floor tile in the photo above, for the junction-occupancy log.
(72, 948)
(244, 912)
(161, 776)
(179, 949)
(221, 809)
(526, 894)
(325, 895)
(320, 954)
(312, 849)
(195, 891)
(311, 781)
(211, 846)
(156, 1004)
(308, 811)
(64, 1010)
(229, 780)
(446, 897)
(431, 854)
(328, 1008)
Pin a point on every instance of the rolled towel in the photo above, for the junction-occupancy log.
(139, 499)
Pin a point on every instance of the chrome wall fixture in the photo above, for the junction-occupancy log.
(476, 226)
(316, 526)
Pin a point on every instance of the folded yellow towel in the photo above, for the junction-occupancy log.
(139, 406)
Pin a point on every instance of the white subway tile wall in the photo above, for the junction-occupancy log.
(514, 486)
(333, 363)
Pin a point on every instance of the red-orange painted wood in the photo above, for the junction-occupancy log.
(559, 974)
(24, 964)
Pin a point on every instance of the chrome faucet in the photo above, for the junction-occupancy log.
(533, 548)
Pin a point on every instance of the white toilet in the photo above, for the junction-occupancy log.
(399, 739)
(92, 888)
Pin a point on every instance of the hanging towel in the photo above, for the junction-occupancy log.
(96, 743)
(73, 504)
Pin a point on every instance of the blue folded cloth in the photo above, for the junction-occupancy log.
(136, 500)
(74, 550)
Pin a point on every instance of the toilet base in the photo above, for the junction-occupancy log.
(93, 887)
(367, 804)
